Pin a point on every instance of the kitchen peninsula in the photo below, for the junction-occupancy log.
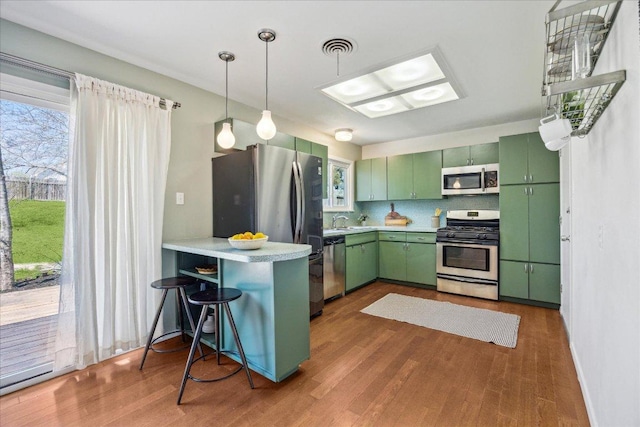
(272, 315)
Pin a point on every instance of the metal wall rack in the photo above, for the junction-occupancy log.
(582, 100)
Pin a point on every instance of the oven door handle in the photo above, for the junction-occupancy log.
(482, 183)
(467, 279)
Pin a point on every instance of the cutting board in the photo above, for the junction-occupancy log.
(394, 218)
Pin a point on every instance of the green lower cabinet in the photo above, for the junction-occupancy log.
(408, 260)
(362, 264)
(393, 260)
(544, 282)
(421, 265)
(530, 281)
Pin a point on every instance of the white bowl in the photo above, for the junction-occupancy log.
(248, 244)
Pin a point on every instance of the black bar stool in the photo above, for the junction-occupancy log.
(179, 284)
(216, 297)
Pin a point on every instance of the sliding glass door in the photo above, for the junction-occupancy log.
(33, 165)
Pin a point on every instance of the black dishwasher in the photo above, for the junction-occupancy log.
(334, 267)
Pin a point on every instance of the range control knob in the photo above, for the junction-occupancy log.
(451, 235)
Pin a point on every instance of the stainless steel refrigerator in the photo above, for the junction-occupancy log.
(278, 192)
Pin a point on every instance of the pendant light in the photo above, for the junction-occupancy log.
(266, 129)
(226, 139)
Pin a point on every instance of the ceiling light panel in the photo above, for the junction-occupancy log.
(412, 83)
(382, 107)
(355, 90)
(431, 95)
(414, 72)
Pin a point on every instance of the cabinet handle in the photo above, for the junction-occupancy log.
(526, 191)
(526, 269)
(531, 268)
(420, 238)
(531, 191)
(524, 178)
(530, 178)
(467, 162)
(472, 161)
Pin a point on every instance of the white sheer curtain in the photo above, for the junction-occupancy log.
(118, 160)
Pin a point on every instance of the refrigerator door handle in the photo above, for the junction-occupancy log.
(303, 203)
(296, 180)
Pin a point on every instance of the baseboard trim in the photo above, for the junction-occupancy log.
(582, 381)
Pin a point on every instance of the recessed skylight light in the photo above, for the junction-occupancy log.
(391, 88)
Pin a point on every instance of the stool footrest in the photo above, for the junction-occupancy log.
(210, 380)
(169, 350)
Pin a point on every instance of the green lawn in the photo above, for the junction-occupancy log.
(38, 229)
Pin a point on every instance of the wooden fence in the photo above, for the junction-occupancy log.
(19, 188)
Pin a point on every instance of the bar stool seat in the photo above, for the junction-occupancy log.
(216, 297)
(179, 284)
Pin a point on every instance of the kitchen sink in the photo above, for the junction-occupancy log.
(342, 230)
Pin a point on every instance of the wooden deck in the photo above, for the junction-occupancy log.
(25, 345)
(28, 324)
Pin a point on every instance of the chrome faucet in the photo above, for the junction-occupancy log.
(336, 217)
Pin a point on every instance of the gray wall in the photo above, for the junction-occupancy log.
(192, 124)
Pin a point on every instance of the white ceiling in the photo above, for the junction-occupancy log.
(494, 48)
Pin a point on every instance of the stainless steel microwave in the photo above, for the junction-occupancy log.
(475, 179)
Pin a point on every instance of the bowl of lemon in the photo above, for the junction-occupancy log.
(248, 240)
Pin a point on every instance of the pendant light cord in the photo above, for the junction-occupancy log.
(266, 80)
(226, 90)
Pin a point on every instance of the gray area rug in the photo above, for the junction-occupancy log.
(477, 323)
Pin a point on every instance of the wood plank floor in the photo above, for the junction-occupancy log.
(363, 371)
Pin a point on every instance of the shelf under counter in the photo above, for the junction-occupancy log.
(193, 273)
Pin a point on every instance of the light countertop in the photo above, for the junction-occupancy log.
(354, 230)
(220, 248)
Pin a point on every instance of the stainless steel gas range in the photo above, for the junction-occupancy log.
(467, 253)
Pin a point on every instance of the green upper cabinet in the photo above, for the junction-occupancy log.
(529, 223)
(479, 154)
(427, 173)
(525, 160)
(400, 177)
(414, 176)
(283, 140)
(371, 179)
(303, 145)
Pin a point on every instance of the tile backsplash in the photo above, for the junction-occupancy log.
(418, 211)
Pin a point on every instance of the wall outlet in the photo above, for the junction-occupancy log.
(179, 198)
(601, 236)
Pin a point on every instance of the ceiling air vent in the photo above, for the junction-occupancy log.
(338, 46)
